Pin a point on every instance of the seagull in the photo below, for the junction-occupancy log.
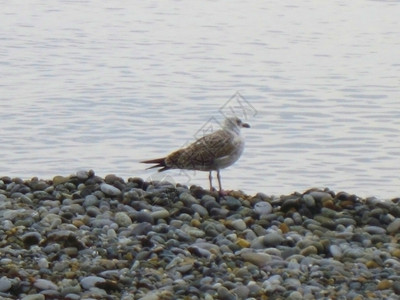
(211, 152)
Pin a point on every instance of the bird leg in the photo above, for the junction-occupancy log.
(210, 179)
(219, 181)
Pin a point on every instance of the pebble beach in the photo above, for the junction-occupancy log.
(87, 237)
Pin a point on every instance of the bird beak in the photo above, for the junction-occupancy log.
(245, 125)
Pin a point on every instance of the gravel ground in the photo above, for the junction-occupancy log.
(87, 237)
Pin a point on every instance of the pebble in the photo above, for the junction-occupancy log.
(43, 284)
(86, 237)
(110, 190)
(262, 208)
(273, 239)
(122, 219)
(239, 224)
(258, 259)
(90, 281)
(336, 251)
(160, 213)
(5, 284)
(394, 227)
(34, 297)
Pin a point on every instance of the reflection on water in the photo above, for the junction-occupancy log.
(105, 85)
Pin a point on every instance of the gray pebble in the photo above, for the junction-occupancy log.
(122, 219)
(200, 210)
(91, 200)
(5, 284)
(144, 216)
(33, 297)
(232, 203)
(160, 213)
(394, 227)
(90, 281)
(309, 200)
(141, 229)
(335, 251)
(273, 239)
(224, 294)
(259, 259)
(239, 224)
(375, 230)
(110, 189)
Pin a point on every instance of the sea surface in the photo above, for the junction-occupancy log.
(103, 85)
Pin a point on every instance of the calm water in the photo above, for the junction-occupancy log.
(103, 85)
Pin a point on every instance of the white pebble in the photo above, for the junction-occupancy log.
(90, 281)
(43, 263)
(262, 208)
(335, 251)
(43, 284)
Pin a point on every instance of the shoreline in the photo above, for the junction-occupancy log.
(84, 236)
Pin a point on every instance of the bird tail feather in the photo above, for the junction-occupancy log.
(159, 163)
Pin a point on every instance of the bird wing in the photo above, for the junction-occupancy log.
(203, 153)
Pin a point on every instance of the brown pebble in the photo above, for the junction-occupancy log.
(384, 284)
(284, 228)
(70, 274)
(243, 243)
(329, 204)
(195, 223)
(309, 250)
(346, 204)
(78, 223)
(371, 264)
(396, 253)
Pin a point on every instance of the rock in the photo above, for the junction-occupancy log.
(224, 294)
(160, 213)
(309, 250)
(273, 239)
(122, 219)
(90, 281)
(33, 297)
(262, 208)
(110, 190)
(238, 224)
(5, 284)
(200, 210)
(43, 284)
(335, 251)
(375, 230)
(232, 203)
(60, 180)
(259, 259)
(394, 227)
